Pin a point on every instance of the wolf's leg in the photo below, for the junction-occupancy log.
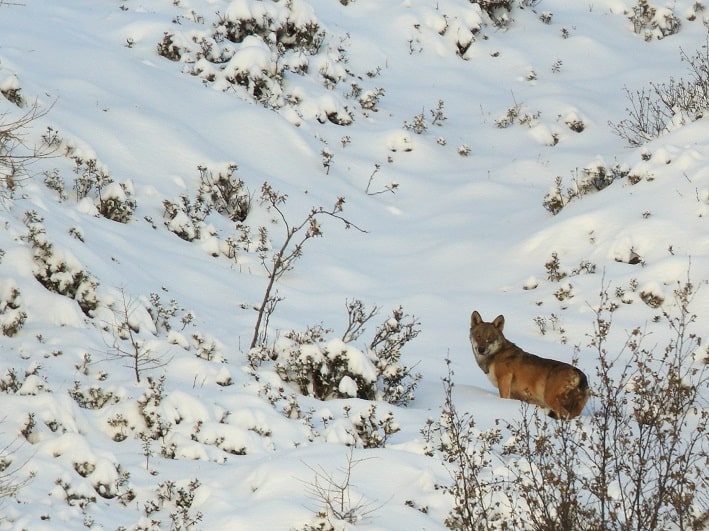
(504, 385)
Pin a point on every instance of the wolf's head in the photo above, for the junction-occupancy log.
(486, 338)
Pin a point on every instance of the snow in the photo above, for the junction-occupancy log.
(453, 217)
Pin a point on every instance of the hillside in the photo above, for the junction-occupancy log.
(442, 157)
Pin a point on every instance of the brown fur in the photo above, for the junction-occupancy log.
(551, 384)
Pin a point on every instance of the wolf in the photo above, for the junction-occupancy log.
(560, 388)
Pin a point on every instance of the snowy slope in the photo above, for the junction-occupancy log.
(450, 203)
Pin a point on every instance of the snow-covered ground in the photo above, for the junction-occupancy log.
(443, 129)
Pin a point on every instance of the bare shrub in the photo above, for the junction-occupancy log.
(664, 106)
(337, 497)
(284, 258)
(16, 155)
(546, 471)
(10, 485)
(478, 495)
(645, 444)
(637, 462)
(127, 344)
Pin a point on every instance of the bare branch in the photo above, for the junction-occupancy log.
(290, 250)
(357, 317)
(127, 345)
(336, 495)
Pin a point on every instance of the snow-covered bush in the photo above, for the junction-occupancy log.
(178, 498)
(574, 122)
(652, 295)
(168, 49)
(12, 92)
(284, 26)
(115, 202)
(10, 383)
(593, 178)
(149, 407)
(517, 114)
(334, 368)
(269, 39)
(223, 193)
(396, 382)
(653, 22)
(12, 319)
(368, 99)
(91, 397)
(59, 272)
(324, 369)
(112, 200)
(185, 217)
(556, 273)
(96, 191)
(29, 384)
(105, 477)
(419, 124)
(54, 181)
(260, 49)
(76, 494)
(372, 430)
(206, 347)
(165, 316)
(497, 10)
(226, 193)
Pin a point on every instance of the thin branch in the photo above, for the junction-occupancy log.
(336, 496)
(140, 358)
(284, 258)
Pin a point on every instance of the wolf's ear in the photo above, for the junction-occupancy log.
(475, 318)
(499, 322)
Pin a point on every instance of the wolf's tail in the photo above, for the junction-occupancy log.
(577, 396)
(582, 382)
